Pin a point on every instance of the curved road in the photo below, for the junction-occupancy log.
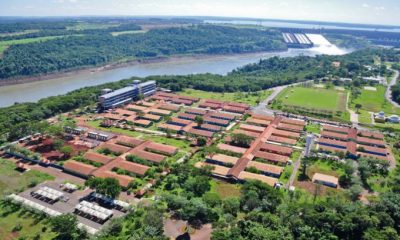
(388, 93)
(262, 107)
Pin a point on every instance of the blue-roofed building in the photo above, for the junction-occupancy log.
(127, 94)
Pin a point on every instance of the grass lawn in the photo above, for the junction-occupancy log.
(13, 181)
(364, 117)
(313, 128)
(375, 101)
(224, 189)
(31, 224)
(128, 32)
(85, 26)
(324, 167)
(314, 98)
(249, 98)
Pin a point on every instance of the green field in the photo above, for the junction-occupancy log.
(128, 32)
(374, 101)
(12, 180)
(31, 225)
(314, 98)
(5, 44)
(85, 26)
(249, 98)
(325, 167)
(225, 189)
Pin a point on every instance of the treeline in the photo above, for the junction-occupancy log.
(278, 71)
(79, 51)
(66, 32)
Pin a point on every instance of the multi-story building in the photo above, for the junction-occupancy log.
(127, 94)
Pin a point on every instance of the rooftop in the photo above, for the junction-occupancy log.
(253, 176)
(78, 167)
(325, 178)
(97, 157)
(226, 147)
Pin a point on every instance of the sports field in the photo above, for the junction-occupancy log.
(314, 98)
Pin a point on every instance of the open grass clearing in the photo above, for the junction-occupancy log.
(375, 101)
(314, 98)
(30, 225)
(249, 98)
(128, 32)
(325, 167)
(225, 189)
(12, 180)
(86, 26)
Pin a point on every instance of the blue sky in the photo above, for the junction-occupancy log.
(355, 11)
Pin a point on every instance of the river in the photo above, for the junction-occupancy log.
(33, 91)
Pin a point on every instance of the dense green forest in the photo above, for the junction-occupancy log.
(22, 119)
(96, 49)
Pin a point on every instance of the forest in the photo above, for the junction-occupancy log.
(74, 51)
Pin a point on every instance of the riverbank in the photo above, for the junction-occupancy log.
(32, 90)
(116, 65)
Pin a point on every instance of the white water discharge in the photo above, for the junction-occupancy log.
(322, 45)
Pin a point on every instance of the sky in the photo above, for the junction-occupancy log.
(352, 11)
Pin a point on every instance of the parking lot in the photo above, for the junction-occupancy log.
(68, 202)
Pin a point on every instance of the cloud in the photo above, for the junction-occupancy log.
(365, 5)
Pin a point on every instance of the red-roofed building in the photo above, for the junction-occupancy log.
(216, 121)
(199, 132)
(272, 148)
(266, 169)
(230, 148)
(161, 148)
(97, 157)
(251, 128)
(152, 157)
(272, 157)
(78, 168)
(290, 127)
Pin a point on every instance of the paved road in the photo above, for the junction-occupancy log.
(388, 93)
(262, 107)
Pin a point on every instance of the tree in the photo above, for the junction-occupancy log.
(212, 199)
(241, 140)
(201, 141)
(66, 150)
(199, 120)
(231, 205)
(358, 107)
(66, 225)
(197, 184)
(107, 186)
(58, 144)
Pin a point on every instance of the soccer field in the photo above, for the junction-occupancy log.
(314, 98)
